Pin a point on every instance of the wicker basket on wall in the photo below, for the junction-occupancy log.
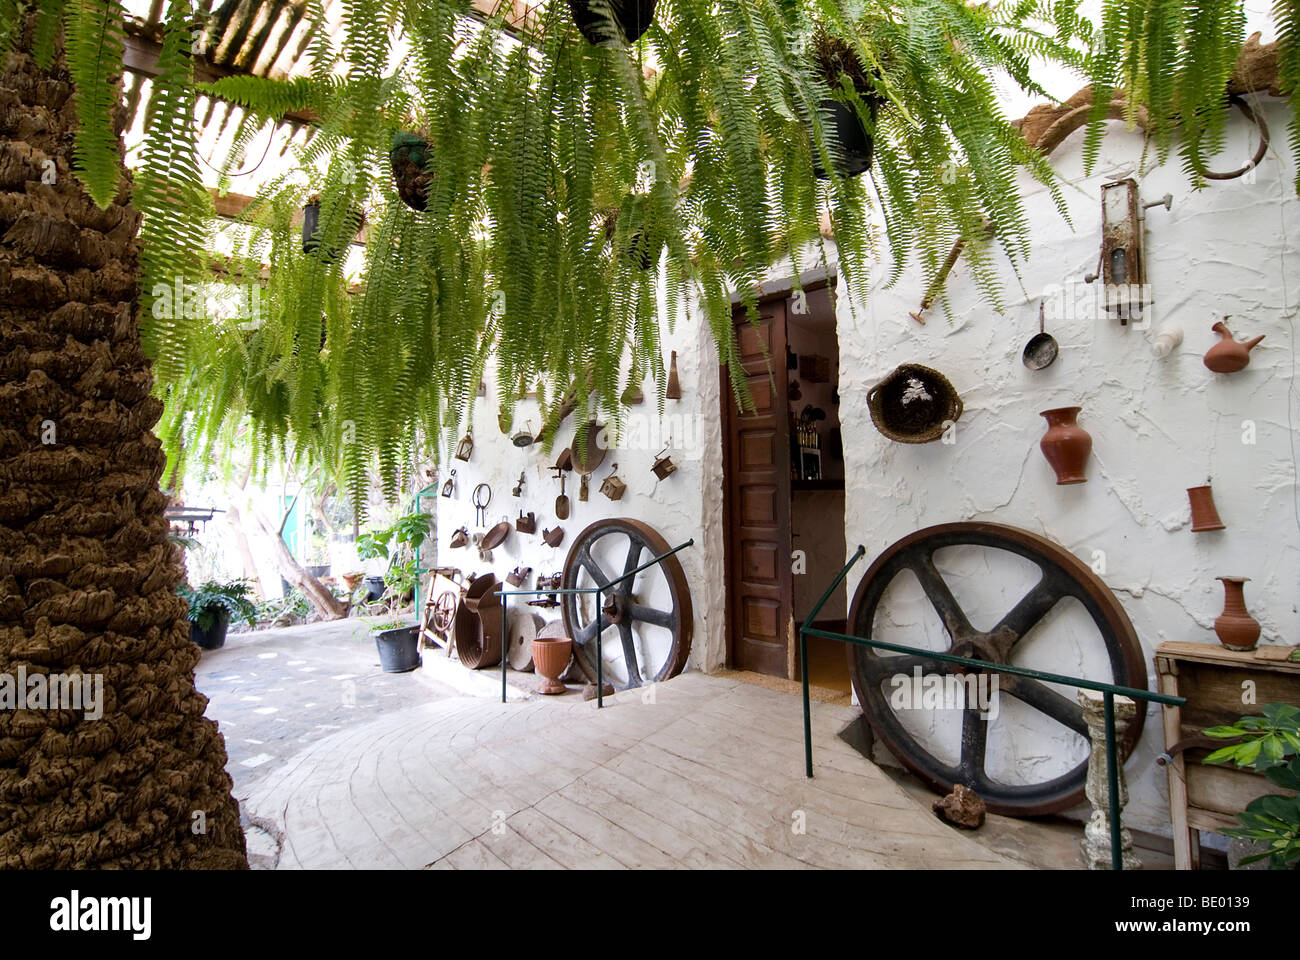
(913, 403)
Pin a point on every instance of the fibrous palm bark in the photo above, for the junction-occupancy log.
(87, 574)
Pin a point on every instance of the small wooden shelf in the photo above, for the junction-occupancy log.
(798, 485)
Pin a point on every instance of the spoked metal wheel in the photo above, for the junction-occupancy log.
(647, 620)
(1108, 641)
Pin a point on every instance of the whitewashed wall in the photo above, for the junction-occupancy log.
(1158, 425)
(688, 504)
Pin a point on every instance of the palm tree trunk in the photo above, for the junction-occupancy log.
(87, 577)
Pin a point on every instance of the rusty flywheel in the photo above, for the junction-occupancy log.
(647, 621)
(1061, 575)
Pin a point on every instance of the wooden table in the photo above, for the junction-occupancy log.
(1220, 685)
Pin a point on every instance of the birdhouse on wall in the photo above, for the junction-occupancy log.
(612, 486)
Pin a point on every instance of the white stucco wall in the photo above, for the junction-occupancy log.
(1158, 425)
(688, 504)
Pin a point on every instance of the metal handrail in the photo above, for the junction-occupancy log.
(600, 626)
(1108, 691)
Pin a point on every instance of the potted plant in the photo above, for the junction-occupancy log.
(211, 607)
(850, 86)
(1268, 744)
(398, 643)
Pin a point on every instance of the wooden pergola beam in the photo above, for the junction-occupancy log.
(231, 206)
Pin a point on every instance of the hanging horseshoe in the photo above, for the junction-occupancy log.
(647, 621)
(1061, 576)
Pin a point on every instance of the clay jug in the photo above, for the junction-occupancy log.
(550, 657)
(1204, 514)
(1236, 629)
(1229, 356)
(1066, 445)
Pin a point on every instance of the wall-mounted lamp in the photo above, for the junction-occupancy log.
(1123, 265)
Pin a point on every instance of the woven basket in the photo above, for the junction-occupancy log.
(918, 420)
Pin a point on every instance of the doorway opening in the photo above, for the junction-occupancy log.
(784, 472)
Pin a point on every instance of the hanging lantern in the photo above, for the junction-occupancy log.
(449, 488)
(465, 447)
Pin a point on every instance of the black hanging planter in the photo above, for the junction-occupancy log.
(855, 143)
(632, 16)
(311, 227)
(409, 158)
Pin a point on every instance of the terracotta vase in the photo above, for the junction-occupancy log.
(550, 657)
(1066, 445)
(1235, 627)
(1229, 356)
(1204, 515)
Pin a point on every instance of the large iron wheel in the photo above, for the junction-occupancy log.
(1062, 575)
(647, 620)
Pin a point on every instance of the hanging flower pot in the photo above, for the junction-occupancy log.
(630, 19)
(847, 129)
(311, 229)
(409, 159)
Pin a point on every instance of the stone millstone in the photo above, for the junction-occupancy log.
(962, 808)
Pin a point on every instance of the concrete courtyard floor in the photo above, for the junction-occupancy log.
(339, 765)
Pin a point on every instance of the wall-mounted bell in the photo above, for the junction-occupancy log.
(612, 486)
(449, 488)
(466, 447)
(663, 466)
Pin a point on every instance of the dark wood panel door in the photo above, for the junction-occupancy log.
(759, 588)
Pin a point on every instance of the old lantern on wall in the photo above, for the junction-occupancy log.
(466, 447)
(1122, 266)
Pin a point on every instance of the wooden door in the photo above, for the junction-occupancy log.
(759, 585)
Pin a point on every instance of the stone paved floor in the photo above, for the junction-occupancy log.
(276, 692)
(707, 774)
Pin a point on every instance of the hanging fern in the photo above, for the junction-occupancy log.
(569, 187)
(94, 51)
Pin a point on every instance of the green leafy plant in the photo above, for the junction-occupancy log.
(579, 195)
(1265, 744)
(212, 597)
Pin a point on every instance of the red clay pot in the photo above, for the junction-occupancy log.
(1066, 445)
(550, 657)
(1228, 356)
(1236, 629)
(1204, 515)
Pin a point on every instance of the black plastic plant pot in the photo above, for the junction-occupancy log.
(311, 228)
(632, 16)
(214, 638)
(855, 143)
(399, 650)
(375, 587)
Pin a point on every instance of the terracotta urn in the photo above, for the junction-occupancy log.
(1066, 445)
(550, 658)
(1236, 628)
(1204, 515)
(1229, 356)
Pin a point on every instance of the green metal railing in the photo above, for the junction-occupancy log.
(1108, 691)
(600, 624)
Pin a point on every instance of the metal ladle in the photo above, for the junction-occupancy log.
(1041, 349)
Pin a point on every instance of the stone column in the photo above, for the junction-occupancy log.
(1096, 833)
